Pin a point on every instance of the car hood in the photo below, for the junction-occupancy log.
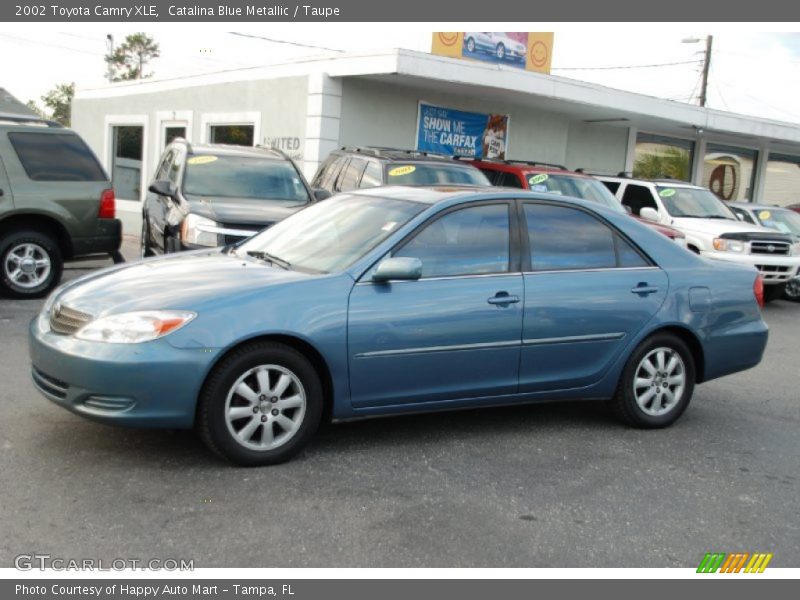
(241, 210)
(716, 226)
(181, 281)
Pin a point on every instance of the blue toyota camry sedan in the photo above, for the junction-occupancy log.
(398, 300)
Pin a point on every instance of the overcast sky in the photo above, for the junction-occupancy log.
(751, 73)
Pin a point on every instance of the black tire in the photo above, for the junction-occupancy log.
(792, 290)
(144, 242)
(470, 45)
(624, 403)
(773, 292)
(500, 52)
(44, 248)
(213, 404)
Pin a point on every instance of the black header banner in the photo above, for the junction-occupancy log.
(153, 11)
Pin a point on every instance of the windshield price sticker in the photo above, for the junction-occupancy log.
(666, 193)
(540, 178)
(201, 160)
(398, 171)
(764, 215)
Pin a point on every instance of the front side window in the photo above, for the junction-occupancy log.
(56, 157)
(372, 176)
(330, 236)
(563, 238)
(352, 174)
(637, 197)
(229, 176)
(467, 241)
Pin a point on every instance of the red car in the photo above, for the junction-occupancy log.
(557, 179)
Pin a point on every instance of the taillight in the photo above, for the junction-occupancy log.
(758, 290)
(108, 208)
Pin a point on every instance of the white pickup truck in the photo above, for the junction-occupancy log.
(711, 228)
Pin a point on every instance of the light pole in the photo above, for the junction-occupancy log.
(110, 48)
(706, 64)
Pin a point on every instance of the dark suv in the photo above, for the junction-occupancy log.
(56, 203)
(364, 167)
(215, 195)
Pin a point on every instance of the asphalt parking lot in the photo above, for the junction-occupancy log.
(561, 485)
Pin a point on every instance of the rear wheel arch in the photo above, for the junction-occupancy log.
(303, 347)
(43, 224)
(691, 340)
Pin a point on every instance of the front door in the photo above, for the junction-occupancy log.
(453, 334)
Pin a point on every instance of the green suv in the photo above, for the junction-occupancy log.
(56, 203)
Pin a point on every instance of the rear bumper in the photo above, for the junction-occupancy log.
(107, 240)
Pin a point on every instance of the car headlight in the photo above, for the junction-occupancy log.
(796, 249)
(725, 245)
(134, 327)
(198, 230)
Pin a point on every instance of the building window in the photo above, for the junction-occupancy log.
(660, 157)
(782, 183)
(237, 135)
(126, 161)
(729, 172)
(172, 132)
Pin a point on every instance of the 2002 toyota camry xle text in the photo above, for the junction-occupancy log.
(394, 300)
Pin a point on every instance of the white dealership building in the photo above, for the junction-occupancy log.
(311, 106)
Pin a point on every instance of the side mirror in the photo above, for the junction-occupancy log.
(650, 214)
(400, 268)
(162, 187)
(320, 194)
(739, 216)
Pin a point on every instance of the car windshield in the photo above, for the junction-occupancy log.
(783, 220)
(577, 187)
(229, 176)
(693, 202)
(434, 174)
(331, 235)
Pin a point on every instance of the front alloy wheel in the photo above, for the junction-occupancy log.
(656, 384)
(260, 405)
(501, 51)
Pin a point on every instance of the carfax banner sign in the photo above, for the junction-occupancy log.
(457, 132)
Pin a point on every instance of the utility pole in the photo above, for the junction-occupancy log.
(706, 67)
(110, 48)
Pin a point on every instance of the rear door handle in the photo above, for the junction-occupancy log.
(503, 298)
(643, 289)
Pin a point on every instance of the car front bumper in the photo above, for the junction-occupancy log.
(152, 384)
(774, 269)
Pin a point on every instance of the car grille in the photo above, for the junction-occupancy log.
(254, 228)
(66, 321)
(774, 272)
(49, 385)
(772, 248)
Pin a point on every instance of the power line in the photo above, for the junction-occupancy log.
(686, 62)
(288, 43)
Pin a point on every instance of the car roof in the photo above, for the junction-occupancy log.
(397, 154)
(757, 206)
(659, 182)
(525, 166)
(232, 150)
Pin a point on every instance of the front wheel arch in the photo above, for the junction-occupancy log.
(302, 346)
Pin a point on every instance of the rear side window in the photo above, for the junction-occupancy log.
(56, 157)
(563, 238)
(638, 197)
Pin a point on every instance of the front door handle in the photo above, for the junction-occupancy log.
(643, 289)
(503, 298)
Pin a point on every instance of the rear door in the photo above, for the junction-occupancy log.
(588, 291)
(6, 194)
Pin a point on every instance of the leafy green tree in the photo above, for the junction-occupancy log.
(129, 59)
(671, 163)
(59, 102)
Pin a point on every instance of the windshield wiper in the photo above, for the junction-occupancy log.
(270, 258)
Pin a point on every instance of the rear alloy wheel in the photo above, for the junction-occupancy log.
(774, 292)
(30, 264)
(792, 290)
(261, 405)
(470, 45)
(501, 51)
(657, 383)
